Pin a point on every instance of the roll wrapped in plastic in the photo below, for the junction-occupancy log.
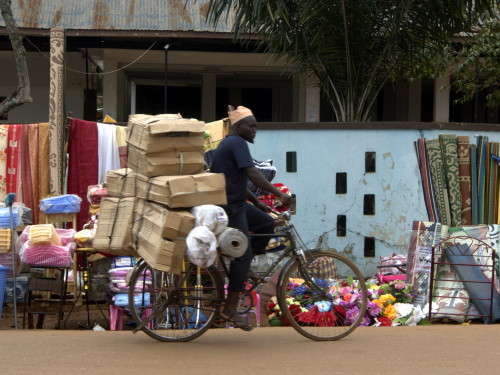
(232, 242)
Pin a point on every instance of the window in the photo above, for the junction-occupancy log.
(341, 225)
(291, 161)
(341, 183)
(369, 247)
(369, 204)
(370, 162)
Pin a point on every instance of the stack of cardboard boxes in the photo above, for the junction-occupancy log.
(148, 212)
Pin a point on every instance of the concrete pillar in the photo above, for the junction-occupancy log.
(415, 101)
(208, 96)
(312, 102)
(110, 87)
(442, 99)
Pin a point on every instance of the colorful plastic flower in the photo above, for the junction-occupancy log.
(390, 312)
(324, 306)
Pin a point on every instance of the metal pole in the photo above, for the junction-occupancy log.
(165, 79)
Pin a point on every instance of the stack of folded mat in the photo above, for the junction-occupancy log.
(45, 245)
(118, 286)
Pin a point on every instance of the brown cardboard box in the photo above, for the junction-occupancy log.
(165, 133)
(173, 224)
(166, 163)
(120, 183)
(114, 227)
(183, 191)
(159, 253)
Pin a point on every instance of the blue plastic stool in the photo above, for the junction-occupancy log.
(3, 282)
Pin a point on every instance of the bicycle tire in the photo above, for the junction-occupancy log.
(181, 310)
(325, 271)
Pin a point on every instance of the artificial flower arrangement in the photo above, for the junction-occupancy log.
(388, 304)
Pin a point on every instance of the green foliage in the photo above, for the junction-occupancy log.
(478, 64)
(352, 48)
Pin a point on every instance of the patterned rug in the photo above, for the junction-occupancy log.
(464, 173)
(424, 236)
(449, 150)
(438, 180)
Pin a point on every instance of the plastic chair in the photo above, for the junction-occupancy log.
(116, 317)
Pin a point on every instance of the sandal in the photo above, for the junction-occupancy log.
(237, 321)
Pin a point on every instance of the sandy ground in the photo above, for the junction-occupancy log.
(437, 349)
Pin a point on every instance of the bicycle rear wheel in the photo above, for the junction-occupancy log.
(175, 307)
(311, 295)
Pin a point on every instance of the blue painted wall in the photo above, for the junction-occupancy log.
(396, 185)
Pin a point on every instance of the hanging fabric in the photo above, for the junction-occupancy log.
(4, 135)
(83, 163)
(13, 158)
(107, 150)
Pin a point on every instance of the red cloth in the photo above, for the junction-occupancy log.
(83, 166)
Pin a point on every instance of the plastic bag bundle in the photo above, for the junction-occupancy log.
(16, 216)
(211, 216)
(61, 204)
(201, 247)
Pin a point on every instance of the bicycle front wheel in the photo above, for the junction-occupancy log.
(175, 307)
(322, 295)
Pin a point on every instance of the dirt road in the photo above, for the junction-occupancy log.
(437, 349)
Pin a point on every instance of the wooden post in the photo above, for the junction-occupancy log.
(56, 109)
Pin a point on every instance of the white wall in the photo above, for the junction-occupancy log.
(396, 185)
(39, 75)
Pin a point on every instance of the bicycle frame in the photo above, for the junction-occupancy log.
(291, 251)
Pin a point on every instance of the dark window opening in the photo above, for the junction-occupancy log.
(180, 99)
(369, 247)
(369, 204)
(341, 183)
(341, 225)
(291, 161)
(370, 162)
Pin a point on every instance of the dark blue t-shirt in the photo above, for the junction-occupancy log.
(231, 156)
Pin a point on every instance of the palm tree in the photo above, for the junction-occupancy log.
(351, 47)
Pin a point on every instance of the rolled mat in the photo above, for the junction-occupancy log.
(232, 242)
(476, 283)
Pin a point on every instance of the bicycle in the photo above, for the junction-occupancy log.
(170, 307)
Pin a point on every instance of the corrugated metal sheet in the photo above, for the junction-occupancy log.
(171, 15)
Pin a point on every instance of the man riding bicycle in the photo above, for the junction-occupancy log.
(232, 157)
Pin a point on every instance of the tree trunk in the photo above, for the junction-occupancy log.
(22, 94)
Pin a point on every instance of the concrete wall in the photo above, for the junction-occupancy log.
(39, 75)
(396, 185)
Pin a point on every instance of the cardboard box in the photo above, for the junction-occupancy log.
(159, 253)
(166, 163)
(120, 183)
(183, 191)
(114, 227)
(173, 224)
(165, 133)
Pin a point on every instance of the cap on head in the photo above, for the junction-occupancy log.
(239, 114)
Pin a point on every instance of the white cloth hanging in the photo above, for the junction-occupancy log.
(108, 156)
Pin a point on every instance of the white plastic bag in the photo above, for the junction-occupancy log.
(201, 248)
(211, 216)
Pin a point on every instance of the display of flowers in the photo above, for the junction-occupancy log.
(388, 304)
